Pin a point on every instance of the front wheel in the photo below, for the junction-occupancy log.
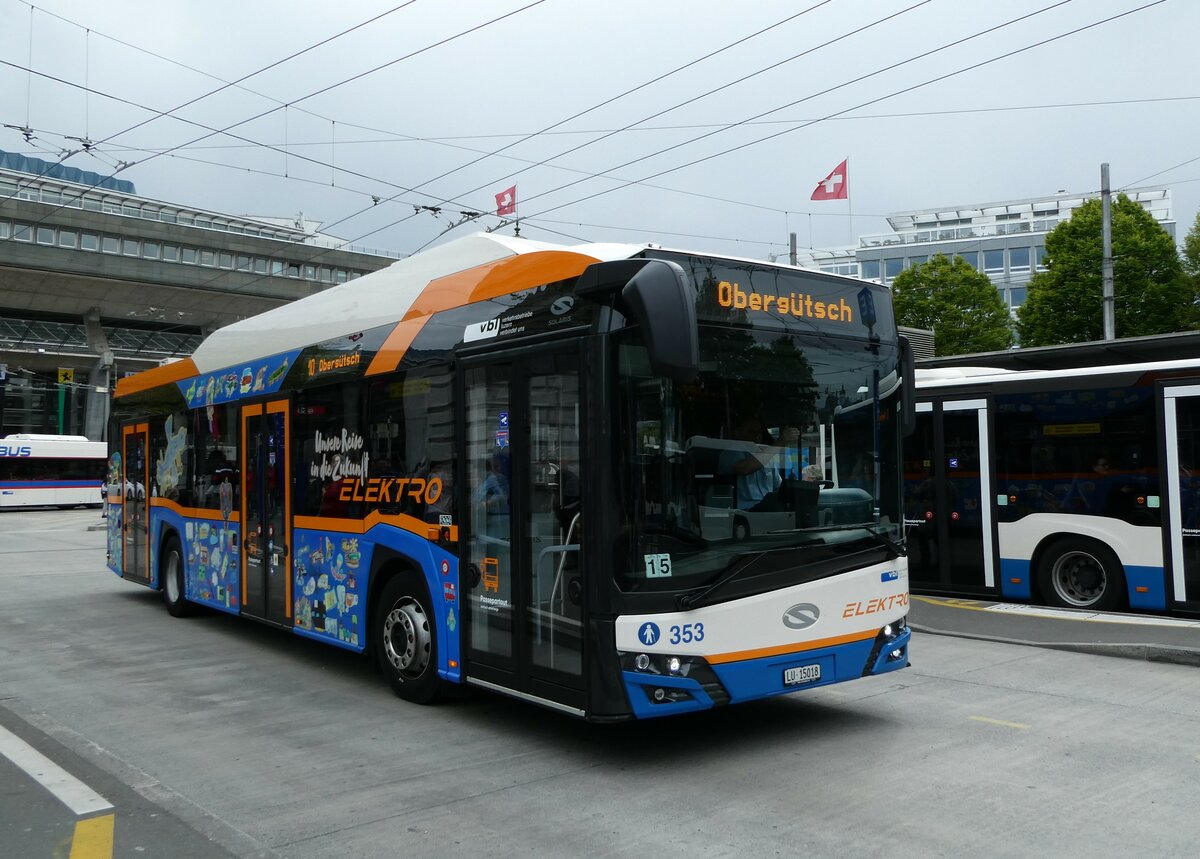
(1075, 573)
(404, 639)
(172, 580)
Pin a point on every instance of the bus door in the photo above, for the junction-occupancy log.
(266, 516)
(1181, 411)
(135, 510)
(947, 497)
(521, 559)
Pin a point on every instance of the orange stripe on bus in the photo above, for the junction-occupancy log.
(403, 521)
(480, 283)
(194, 512)
(176, 371)
(784, 649)
(396, 345)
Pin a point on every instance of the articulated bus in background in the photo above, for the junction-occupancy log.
(573, 475)
(1076, 488)
(51, 471)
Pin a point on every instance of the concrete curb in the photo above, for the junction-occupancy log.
(201, 820)
(1145, 652)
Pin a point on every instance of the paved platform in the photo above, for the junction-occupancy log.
(1132, 636)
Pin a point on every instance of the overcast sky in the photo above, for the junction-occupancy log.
(920, 132)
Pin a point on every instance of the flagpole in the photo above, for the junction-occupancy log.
(849, 206)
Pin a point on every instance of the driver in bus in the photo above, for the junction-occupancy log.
(754, 465)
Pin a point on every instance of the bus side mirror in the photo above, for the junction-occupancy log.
(908, 391)
(657, 296)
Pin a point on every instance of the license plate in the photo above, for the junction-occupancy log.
(801, 674)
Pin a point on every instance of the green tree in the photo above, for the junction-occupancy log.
(1191, 251)
(962, 306)
(1065, 302)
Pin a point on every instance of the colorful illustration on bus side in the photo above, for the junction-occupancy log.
(212, 563)
(232, 383)
(115, 512)
(328, 574)
(168, 470)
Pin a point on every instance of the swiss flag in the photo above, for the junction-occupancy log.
(506, 201)
(835, 186)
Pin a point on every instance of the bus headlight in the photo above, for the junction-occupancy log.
(666, 678)
(661, 664)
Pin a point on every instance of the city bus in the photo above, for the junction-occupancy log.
(1075, 488)
(490, 464)
(51, 470)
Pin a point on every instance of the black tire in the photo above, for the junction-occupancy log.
(172, 579)
(1079, 573)
(404, 639)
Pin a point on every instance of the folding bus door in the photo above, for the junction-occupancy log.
(1181, 412)
(948, 498)
(521, 557)
(135, 514)
(266, 516)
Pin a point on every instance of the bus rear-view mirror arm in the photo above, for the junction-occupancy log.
(656, 294)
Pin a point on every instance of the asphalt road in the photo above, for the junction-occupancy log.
(216, 734)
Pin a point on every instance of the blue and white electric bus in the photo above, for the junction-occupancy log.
(51, 470)
(496, 463)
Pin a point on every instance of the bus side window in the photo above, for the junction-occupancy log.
(410, 435)
(331, 452)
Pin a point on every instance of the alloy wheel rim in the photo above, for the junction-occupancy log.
(1079, 579)
(406, 639)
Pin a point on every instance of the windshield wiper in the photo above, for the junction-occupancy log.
(880, 537)
(692, 599)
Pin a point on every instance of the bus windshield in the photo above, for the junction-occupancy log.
(779, 458)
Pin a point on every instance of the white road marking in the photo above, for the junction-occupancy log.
(69, 790)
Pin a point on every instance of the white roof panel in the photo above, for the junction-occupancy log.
(379, 298)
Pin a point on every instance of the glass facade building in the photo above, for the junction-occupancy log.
(1005, 240)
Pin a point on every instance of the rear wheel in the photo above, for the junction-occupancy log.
(1076, 573)
(404, 639)
(171, 572)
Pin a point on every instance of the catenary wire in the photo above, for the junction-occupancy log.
(901, 91)
(397, 137)
(162, 113)
(679, 105)
(227, 129)
(907, 89)
(883, 70)
(873, 101)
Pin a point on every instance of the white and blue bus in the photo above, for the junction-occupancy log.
(499, 463)
(51, 470)
(1075, 488)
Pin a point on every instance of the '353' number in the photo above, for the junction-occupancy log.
(687, 633)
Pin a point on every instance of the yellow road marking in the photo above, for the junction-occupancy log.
(93, 838)
(973, 605)
(1000, 722)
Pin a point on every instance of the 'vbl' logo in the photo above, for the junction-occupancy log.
(482, 330)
